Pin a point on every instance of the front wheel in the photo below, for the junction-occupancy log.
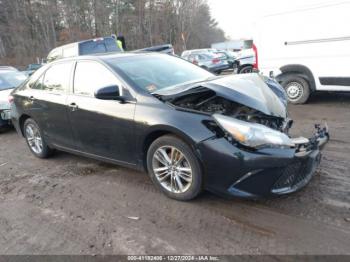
(35, 139)
(297, 89)
(174, 168)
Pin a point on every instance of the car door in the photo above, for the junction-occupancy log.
(101, 127)
(49, 107)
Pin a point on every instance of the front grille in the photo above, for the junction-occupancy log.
(292, 176)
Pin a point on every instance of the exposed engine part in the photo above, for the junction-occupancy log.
(208, 102)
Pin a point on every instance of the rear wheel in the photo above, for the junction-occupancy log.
(35, 139)
(174, 168)
(297, 89)
(246, 69)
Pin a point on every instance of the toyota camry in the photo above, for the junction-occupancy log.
(188, 128)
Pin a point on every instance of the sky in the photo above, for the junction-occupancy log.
(237, 17)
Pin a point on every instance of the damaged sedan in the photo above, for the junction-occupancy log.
(189, 129)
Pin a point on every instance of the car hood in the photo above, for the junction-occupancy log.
(4, 104)
(246, 89)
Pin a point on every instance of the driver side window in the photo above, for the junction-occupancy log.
(90, 76)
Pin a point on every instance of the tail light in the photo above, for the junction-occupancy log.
(10, 99)
(216, 60)
(195, 62)
(256, 64)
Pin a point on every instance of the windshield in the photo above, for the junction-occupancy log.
(155, 72)
(98, 46)
(11, 79)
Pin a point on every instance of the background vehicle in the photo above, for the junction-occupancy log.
(86, 47)
(245, 61)
(306, 56)
(185, 54)
(188, 128)
(209, 62)
(8, 68)
(9, 79)
(31, 68)
(227, 56)
(167, 49)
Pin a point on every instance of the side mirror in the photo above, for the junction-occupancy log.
(108, 93)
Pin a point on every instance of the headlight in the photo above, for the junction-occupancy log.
(251, 134)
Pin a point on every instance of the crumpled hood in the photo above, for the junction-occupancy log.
(246, 89)
(4, 104)
(249, 90)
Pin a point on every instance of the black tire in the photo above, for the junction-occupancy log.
(292, 82)
(46, 150)
(246, 69)
(196, 187)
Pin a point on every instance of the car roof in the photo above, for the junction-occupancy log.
(8, 68)
(3, 71)
(107, 56)
(83, 41)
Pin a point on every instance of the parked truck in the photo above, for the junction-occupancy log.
(307, 49)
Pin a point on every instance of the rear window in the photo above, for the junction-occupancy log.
(205, 56)
(98, 46)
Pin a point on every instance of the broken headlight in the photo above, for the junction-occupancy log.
(252, 134)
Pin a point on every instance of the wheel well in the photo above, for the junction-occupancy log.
(150, 138)
(300, 70)
(243, 66)
(22, 119)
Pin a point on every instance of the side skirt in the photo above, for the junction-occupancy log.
(96, 157)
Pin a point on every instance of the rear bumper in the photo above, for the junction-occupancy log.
(231, 171)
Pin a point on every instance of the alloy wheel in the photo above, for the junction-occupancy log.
(172, 169)
(34, 139)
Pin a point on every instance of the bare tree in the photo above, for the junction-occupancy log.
(31, 28)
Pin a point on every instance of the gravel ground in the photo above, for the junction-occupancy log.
(73, 205)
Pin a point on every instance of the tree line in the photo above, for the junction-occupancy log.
(31, 28)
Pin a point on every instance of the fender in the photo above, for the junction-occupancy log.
(300, 70)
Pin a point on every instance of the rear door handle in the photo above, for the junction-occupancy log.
(73, 106)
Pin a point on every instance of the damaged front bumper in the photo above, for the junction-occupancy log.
(265, 172)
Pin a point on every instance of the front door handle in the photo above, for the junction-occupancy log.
(73, 106)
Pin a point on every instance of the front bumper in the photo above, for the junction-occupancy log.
(232, 171)
(5, 118)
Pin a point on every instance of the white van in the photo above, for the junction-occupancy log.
(307, 49)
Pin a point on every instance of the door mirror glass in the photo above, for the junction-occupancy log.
(108, 93)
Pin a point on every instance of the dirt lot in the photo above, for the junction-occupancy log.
(73, 205)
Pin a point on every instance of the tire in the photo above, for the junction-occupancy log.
(167, 180)
(297, 88)
(246, 70)
(32, 134)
